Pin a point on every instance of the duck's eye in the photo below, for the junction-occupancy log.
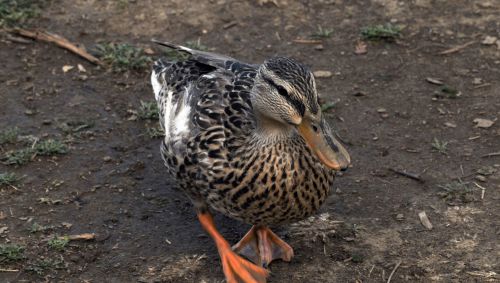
(281, 90)
(315, 128)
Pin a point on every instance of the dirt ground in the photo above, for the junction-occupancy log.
(389, 109)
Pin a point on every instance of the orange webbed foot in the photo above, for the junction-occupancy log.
(262, 246)
(237, 269)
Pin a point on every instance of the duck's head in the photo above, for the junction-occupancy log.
(285, 97)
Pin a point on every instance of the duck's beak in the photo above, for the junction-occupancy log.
(322, 142)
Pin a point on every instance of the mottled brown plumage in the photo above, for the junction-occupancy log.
(246, 140)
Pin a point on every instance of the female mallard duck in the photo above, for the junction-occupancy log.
(250, 142)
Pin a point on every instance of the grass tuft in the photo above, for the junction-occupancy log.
(457, 192)
(11, 252)
(322, 33)
(386, 32)
(174, 55)
(50, 147)
(8, 179)
(196, 44)
(440, 146)
(9, 135)
(123, 57)
(17, 12)
(155, 132)
(35, 228)
(58, 243)
(42, 148)
(18, 157)
(40, 266)
(148, 110)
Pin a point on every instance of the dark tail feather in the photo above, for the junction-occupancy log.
(208, 58)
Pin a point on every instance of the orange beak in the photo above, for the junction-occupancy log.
(326, 147)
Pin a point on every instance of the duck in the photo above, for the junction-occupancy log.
(249, 141)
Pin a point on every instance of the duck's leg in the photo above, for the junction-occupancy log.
(236, 269)
(262, 246)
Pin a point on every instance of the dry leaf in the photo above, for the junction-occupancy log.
(483, 123)
(450, 125)
(66, 225)
(434, 81)
(149, 51)
(67, 68)
(322, 74)
(477, 81)
(81, 68)
(489, 40)
(425, 220)
(360, 48)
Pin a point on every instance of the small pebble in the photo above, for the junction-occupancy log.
(106, 158)
(322, 74)
(480, 178)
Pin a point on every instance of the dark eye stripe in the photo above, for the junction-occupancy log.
(297, 104)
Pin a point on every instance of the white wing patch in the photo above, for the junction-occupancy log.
(176, 114)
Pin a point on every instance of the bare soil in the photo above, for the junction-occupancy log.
(112, 182)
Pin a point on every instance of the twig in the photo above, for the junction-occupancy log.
(393, 271)
(491, 154)
(58, 40)
(425, 220)
(482, 85)
(84, 236)
(230, 25)
(371, 269)
(9, 270)
(407, 174)
(18, 39)
(307, 41)
(456, 48)
(483, 189)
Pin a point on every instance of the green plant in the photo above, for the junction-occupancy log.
(8, 179)
(123, 57)
(40, 266)
(457, 191)
(18, 157)
(76, 126)
(148, 110)
(17, 12)
(327, 106)
(155, 132)
(11, 252)
(50, 147)
(448, 92)
(386, 32)
(35, 228)
(440, 146)
(196, 44)
(322, 33)
(9, 135)
(58, 243)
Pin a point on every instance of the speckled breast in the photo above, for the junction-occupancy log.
(284, 183)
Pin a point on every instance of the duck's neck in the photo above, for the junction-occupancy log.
(271, 131)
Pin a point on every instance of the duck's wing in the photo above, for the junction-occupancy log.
(205, 108)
